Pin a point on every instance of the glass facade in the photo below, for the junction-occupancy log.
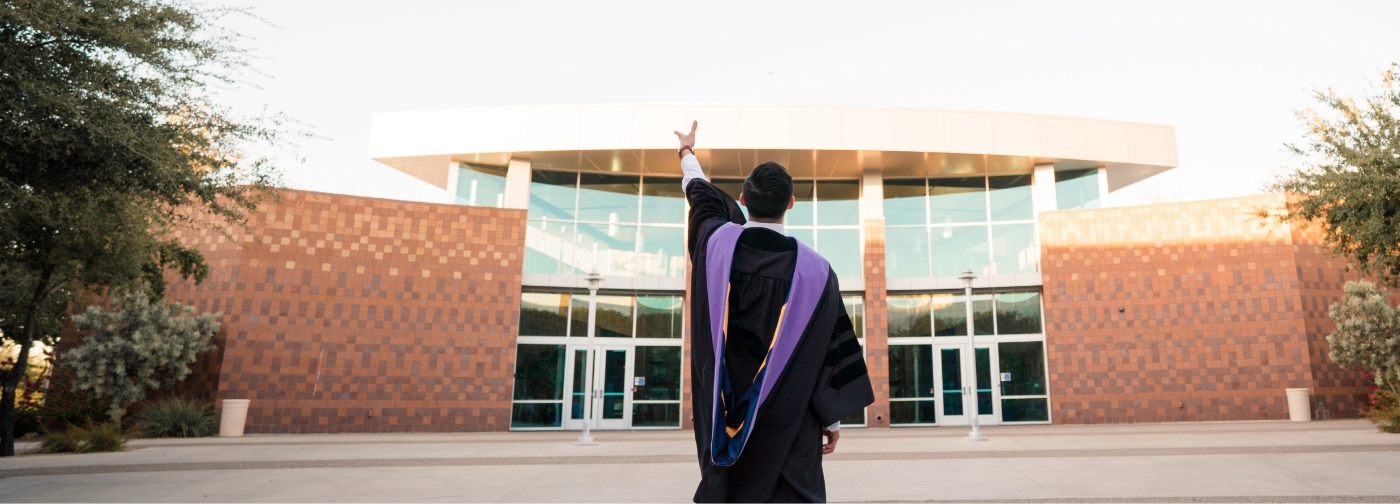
(481, 185)
(942, 226)
(617, 225)
(1077, 189)
(826, 216)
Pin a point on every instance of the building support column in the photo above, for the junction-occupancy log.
(872, 214)
(454, 173)
(1043, 189)
(518, 184)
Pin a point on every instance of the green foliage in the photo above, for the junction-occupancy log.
(136, 346)
(65, 441)
(1350, 183)
(64, 407)
(1368, 333)
(102, 437)
(176, 417)
(1385, 410)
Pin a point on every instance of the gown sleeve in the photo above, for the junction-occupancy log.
(843, 387)
(710, 208)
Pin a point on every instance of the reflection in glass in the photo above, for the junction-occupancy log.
(855, 309)
(950, 314)
(908, 316)
(481, 185)
(984, 381)
(1013, 249)
(838, 203)
(803, 192)
(806, 236)
(539, 372)
(656, 415)
(959, 248)
(528, 415)
(1077, 189)
(580, 368)
(549, 247)
(552, 194)
(657, 376)
(957, 200)
(609, 249)
(1022, 366)
(663, 201)
(1024, 410)
(906, 252)
(613, 318)
(608, 198)
(905, 201)
(614, 383)
(951, 359)
(911, 371)
(544, 314)
(659, 316)
(913, 412)
(1018, 313)
(1010, 197)
(841, 247)
(661, 252)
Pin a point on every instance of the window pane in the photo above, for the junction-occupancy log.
(908, 315)
(663, 201)
(552, 194)
(801, 212)
(905, 201)
(1018, 313)
(656, 415)
(659, 316)
(544, 314)
(661, 252)
(549, 247)
(950, 314)
(1014, 250)
(614, 317)
(855, 308)
(841, 247)
(806, 236)
(1024, 410)
(580, 370)
(959, 248)
(1011, 197)
(1077, 189)
(952, 380)
(539, 372)
(912, 412)
(609, 249)
(906, 252)
(984, 380)
(732, 187)
(657, 376)
(1022, 367)
(911, 371)
(957, 200)
(838, 203)
(857, 418)
(481, 185)
(608, 198)
(534, 415)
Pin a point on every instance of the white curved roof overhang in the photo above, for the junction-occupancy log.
(812, 141)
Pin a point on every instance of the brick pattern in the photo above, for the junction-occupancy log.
(876, 324)
(351, 314)
(1321, 278)
(1185, 311)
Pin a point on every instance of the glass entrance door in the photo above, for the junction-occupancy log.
(611, 378)
(955, 403)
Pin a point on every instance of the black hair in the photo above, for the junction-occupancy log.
(767, 191)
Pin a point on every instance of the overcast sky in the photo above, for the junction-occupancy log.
(1227, 75)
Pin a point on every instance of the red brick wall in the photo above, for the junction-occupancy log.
(876, 324)
(1185, 311)
(350, 314)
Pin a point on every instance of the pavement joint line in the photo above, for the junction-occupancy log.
(667, 459)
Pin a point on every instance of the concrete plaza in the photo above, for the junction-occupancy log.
(1335, 461)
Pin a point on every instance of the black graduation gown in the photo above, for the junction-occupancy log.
(824, 381)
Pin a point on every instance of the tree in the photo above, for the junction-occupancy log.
(1368, 336)
(1349, 183)
(136, 346)
(110, 138)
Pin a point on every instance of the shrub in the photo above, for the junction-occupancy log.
(103, 437)
(176, 417)
(1384, 411)
(62, 441)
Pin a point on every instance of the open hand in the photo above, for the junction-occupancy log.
(688, 140)
(831, 438)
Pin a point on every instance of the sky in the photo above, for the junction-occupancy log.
(1228, 76)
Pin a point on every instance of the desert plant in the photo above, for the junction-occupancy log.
(176, 417)
(103, 437)
(62, 441)
(1368, 336)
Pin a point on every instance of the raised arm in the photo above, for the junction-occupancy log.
(690, 167)
(710, 207)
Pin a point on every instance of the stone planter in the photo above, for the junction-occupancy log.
(1298, 405)
(235, 416)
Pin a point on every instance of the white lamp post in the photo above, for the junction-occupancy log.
(586, 439)
(970, 377)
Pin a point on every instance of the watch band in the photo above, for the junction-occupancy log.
(680, 153)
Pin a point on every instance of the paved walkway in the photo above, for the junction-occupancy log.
(1338, 461)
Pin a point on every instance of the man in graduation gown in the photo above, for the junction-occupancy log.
(775, 363)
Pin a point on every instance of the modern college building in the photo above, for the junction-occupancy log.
(352, 314)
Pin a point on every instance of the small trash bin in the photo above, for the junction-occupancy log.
(236, 415)
(1298, 405)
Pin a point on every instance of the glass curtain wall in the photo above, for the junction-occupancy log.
(481, 185)
(825, 216)
(1077, 189)
(554, 325)
(617, 225)
(942, 226)
(1008, 322)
